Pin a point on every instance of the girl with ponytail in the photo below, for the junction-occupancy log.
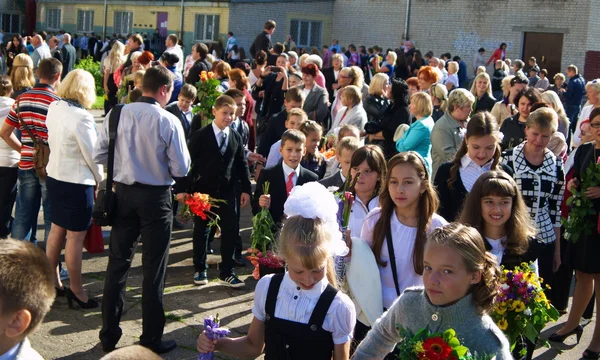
(460, 281)
(479, 152)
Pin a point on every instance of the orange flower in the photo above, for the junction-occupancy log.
(211, 75)
(203, 76)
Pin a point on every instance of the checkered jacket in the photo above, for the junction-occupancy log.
(542, 189)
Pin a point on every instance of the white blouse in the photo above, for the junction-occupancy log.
(497, 248)
(470, 172)
(358, 213)
(296, 304)
(404, 240)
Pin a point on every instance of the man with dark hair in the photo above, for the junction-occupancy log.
(173, 47)
(263, 40)
(133, 44)
(147, 160)
(33, 107)
(199, 52)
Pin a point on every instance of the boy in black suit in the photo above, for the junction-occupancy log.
(283, 176)
(218, 161)
(345, 149)
(182, 108)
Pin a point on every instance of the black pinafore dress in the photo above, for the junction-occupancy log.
(290, 340)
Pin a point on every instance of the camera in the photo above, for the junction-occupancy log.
(274, 69)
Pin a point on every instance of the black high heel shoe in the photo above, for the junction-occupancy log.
(589, 354)
(60, 292)
(90, 304)
(560, 338)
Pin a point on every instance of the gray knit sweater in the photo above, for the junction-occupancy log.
(413, 311)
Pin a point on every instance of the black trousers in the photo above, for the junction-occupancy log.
(144, 211)
(8, 194)
(229, 233)
(545, 261)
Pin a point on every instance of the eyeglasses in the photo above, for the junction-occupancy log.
(595, 125)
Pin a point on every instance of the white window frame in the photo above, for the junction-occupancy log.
(204, 33)
(8, 29)
(128, 22)
(50, 13)
(85, 21)
(309, 34)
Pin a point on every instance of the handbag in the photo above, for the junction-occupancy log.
(94, 240)
(104, 208)
(41, 150)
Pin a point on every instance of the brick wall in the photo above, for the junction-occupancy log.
(248, 18)
(463, 26)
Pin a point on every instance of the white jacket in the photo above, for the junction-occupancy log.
(71, 136)
(8, 156)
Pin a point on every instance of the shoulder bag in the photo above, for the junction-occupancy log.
(104, 208)
(41, 150)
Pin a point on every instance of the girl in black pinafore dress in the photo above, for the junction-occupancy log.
(300, 314)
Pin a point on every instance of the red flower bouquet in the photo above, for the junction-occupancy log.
(264, 261)
(201, 205)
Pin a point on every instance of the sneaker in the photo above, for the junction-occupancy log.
(64, 274)
(233, 281)
(200, 278)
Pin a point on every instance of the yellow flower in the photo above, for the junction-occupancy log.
(501, 309)
(518, 306)
(502, 324)
(419, 348)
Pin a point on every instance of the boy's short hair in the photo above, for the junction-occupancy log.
(235, 93)
(139, 76)
(298, 112)
(293, 135)
(6, 87)
(294, 94)
(348, 143)
(270, 24)
(133, 352)
(49, 68)
(224, 100)
(134, 95)
(347, 130)
(188, 91)
(26, 281)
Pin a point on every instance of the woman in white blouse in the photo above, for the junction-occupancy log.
(72, 175)
(370, 162)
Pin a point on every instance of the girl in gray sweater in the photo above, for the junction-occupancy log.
(461, 280)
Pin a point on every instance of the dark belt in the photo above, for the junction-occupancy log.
(145, 186)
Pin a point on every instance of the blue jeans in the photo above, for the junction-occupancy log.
(29, 189)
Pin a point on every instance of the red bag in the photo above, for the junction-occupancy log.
(94, 241)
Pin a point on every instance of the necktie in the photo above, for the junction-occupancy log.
(222, 146)
(289, 184)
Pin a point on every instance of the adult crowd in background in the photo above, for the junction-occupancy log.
(397, 116)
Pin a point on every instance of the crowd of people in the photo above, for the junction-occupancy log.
(456, 174)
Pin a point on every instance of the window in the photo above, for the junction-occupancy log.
(206, 28)
(9, 23)
(53, 19)
(306, 33)
(85, 20)
(123, 22)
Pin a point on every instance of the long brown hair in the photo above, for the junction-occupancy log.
(519, 228)
(481, 124)
(468, 243)
(428, 205)
(374, 157)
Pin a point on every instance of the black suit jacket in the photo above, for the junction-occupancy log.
(275, 128)
(194, 73)
(174, 109)
(329, 81)
(243, 130)
(261, 42)
(212, 173)
(333, 180)
(69, 56)
(274, 175)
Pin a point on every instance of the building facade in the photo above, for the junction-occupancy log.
(11, 17)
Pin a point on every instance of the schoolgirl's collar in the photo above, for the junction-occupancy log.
(289, 285)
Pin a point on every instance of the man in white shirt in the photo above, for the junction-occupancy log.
(173, 47)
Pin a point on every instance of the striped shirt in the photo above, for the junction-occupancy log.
(33, 106)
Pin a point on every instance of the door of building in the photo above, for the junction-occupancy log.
(161, 23)
(546, 48)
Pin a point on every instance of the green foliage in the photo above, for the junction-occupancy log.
(577, 225)
(262, 225)
(207, 95)
(93, 67)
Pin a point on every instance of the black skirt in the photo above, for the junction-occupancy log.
(71, 204)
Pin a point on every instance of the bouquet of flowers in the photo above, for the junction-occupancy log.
(346, 198)
(201, 205)
(521, 308)
(213, 332)
(577, 225)
(207, 95)
(266, 260)
(433, 346)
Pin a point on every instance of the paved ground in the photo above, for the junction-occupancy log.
(73, 334)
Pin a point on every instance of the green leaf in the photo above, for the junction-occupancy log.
(461, 351)
(531, 332)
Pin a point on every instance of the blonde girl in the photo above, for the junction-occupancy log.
(299, 314)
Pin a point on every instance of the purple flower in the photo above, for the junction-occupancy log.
(213, 332)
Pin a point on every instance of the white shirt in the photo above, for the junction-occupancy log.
(497, 248)
(333, 165)
(9, 157)
(335, 74)
(296, 304)
(274, 154)
(359, 212)
(218, 134)
(288, 170)
(404, 240)
(470, 172)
